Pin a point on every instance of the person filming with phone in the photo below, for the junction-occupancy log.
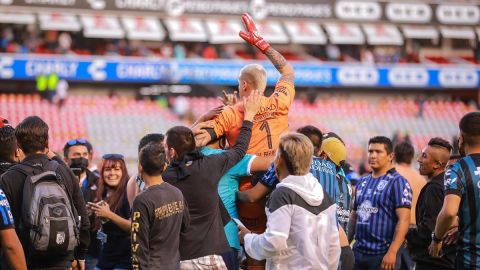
(76, 155)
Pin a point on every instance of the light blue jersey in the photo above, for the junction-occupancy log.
(228, 188)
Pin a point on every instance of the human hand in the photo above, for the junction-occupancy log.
(242, 231)
(251, 105)
(388, 262)
(252, 36)
(200, 127)
(202, 138)
(451, 237)
(101, 209)
(229, 99)
(211, 113)
(435, 249)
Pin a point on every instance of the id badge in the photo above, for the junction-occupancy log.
(102, 237)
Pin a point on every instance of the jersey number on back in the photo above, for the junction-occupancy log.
(266, 127)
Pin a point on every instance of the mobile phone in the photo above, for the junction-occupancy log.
(238, 222)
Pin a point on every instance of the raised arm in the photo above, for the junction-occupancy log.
(281, 64)
(253, 37)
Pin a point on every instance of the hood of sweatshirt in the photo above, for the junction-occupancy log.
(306, 186)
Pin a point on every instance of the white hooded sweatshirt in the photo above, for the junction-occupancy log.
(302, 230)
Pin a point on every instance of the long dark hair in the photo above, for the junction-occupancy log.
(115, 199)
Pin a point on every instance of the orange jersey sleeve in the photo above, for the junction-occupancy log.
(270, 122)
(228, 123)
(284, 93)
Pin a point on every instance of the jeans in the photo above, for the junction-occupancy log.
(406, 261)
(90, 262)
(371, 262)
(231, 259)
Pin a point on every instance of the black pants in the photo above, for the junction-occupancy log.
(347, 259)
(427, 266)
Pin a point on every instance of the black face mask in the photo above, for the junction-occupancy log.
(79, 164)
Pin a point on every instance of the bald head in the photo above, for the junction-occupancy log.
(252, 77)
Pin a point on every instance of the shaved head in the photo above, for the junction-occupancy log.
(255, 77)
(434, 157)
(442, 149)
(440, 154)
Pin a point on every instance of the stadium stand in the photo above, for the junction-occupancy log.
(112, 124)
(347, 37)
(116, 123)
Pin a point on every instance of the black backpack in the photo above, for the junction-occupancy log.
(48, 214)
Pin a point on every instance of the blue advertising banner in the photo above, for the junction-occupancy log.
(225, 72)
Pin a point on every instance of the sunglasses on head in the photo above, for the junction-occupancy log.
(112, 156)
(77, 142)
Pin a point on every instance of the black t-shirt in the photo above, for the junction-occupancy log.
(197, 176)
(116, 252)
(158, 215)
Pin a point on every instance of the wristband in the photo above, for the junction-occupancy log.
(435, 238)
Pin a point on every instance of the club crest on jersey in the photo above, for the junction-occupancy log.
(381, 186)
(365, 210)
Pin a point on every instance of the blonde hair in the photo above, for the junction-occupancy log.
(297, 152)
(255, 75)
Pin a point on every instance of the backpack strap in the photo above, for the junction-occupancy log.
(52, 165)
(24, 169)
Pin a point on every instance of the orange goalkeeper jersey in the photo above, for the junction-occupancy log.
(269, 123)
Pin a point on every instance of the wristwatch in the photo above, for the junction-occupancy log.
(435, 238)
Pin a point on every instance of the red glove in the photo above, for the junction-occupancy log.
(252, 36)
